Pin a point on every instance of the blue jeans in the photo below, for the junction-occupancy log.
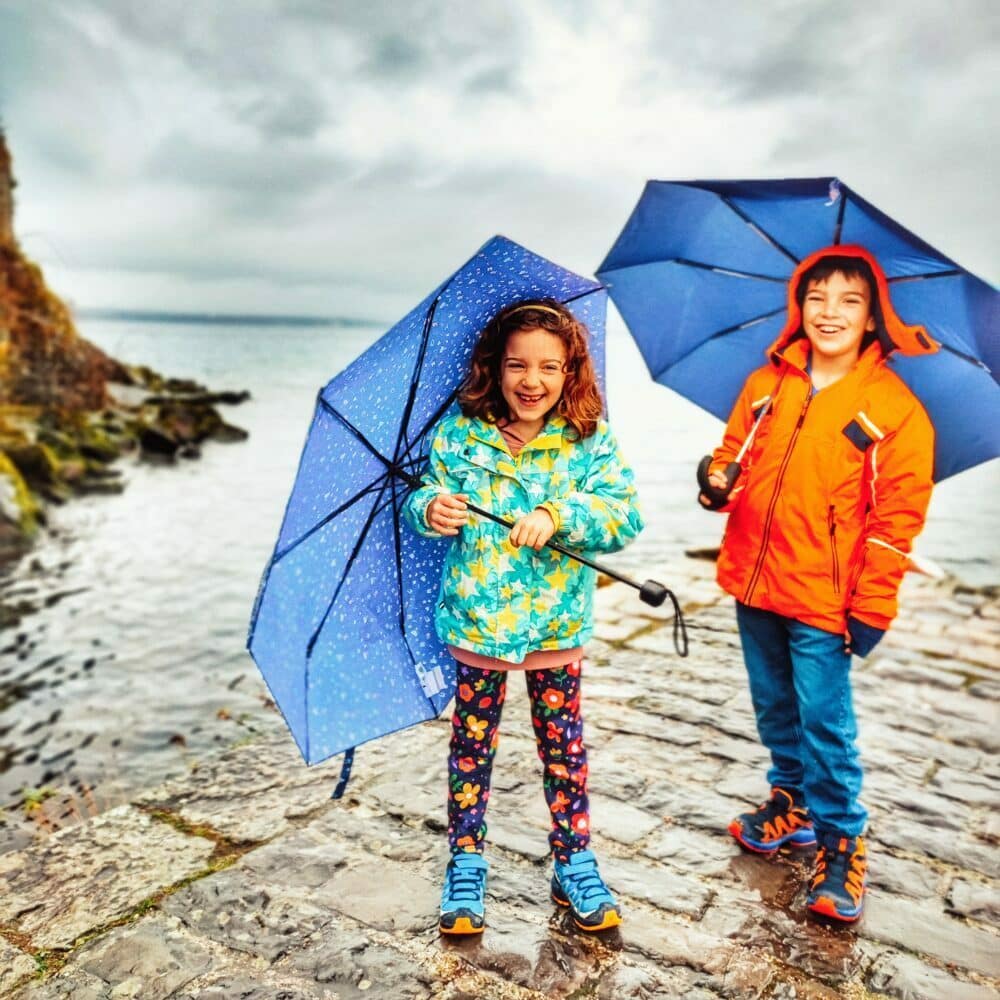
(800, 685)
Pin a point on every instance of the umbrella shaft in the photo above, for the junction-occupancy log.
(559, 548)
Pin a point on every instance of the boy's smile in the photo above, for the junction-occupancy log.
(836, 314)
(532, 375)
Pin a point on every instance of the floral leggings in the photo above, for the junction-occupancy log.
(555, 715)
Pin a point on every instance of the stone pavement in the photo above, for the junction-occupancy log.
(244, 880)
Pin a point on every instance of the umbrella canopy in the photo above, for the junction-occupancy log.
(342, 628)
(699, 274)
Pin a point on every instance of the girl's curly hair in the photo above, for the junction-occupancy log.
(580, 403)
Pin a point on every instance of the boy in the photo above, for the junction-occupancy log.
(830, 495)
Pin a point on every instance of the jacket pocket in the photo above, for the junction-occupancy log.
(832, 526)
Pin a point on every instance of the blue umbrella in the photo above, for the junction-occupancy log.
(699, 275)
(342, 628)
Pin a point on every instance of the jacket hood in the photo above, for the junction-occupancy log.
(896, 335)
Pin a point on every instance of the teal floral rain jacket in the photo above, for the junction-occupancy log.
(500, 600)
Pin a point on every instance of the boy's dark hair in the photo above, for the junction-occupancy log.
(849, 267)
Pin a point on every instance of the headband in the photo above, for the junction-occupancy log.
(539, 308)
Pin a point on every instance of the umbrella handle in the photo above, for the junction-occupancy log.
(650, 591)
(717, 497)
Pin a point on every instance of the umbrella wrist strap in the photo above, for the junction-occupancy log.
(345, 774)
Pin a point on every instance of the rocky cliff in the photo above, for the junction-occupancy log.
(62, 422)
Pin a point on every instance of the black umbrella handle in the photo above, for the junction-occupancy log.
(651, 592)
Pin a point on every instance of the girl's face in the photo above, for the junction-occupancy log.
(532, 373)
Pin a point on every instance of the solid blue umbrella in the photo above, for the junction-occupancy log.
(342, 628)
(699, 274)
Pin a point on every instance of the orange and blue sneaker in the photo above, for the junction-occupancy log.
(837, 890)
(463, 907)
(780, 820)
(577, 884)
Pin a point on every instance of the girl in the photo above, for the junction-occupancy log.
(529, 445)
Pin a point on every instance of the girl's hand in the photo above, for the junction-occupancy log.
(535, 529)
(447, 513)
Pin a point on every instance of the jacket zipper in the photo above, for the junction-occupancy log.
(759, 564)
(833, 549)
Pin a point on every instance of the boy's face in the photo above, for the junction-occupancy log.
(532, 373)
(836, 314)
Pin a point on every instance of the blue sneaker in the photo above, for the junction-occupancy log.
(578, 885)
(840, 880)
(463, 908)
(780, 820)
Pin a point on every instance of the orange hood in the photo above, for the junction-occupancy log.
(902, 338)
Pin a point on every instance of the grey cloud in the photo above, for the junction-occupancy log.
(395, 57)
(261, 169)
(287, 116)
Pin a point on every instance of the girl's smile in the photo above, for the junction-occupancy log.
(532, 376)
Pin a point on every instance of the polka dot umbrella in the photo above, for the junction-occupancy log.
(342, 628)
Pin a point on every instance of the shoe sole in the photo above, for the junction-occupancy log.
(825, 908)
(462, 927)
(611, 919)
(772, 848)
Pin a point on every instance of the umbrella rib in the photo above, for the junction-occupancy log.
(724, 270)
(902, 279)
(840, 216)
(336, 413)
(399, 585)
(367, 491)
(967, 357)
(757, 229)
(373, 513)
(435, 417)
(417, 369)
(583, 295)
(719, 333)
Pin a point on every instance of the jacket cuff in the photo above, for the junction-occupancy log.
(553, 512)
(419, 503)
(864, 637)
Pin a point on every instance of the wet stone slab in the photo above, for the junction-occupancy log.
(15, 965)
(234, 910)
(71, 984)
(534, 957)
(932, 933)
(147, 962)
(83, 877)
(349, 963)
(904, 976)
(274, 789)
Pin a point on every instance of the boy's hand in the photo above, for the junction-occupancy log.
(716, 479)
(535, 529)
(447, 513)
(860, 638)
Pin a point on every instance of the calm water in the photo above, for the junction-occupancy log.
(136, 666)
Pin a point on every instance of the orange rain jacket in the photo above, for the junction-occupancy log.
(835, 485)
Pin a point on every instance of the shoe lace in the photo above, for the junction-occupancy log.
(464, 883)
(769, 812)
(842, 867)
(585, 881)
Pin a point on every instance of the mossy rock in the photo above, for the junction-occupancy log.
(19, 509)
(37, 463)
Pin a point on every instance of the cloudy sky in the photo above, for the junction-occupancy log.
(340, 158)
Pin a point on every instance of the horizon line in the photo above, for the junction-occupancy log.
(219, 318)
